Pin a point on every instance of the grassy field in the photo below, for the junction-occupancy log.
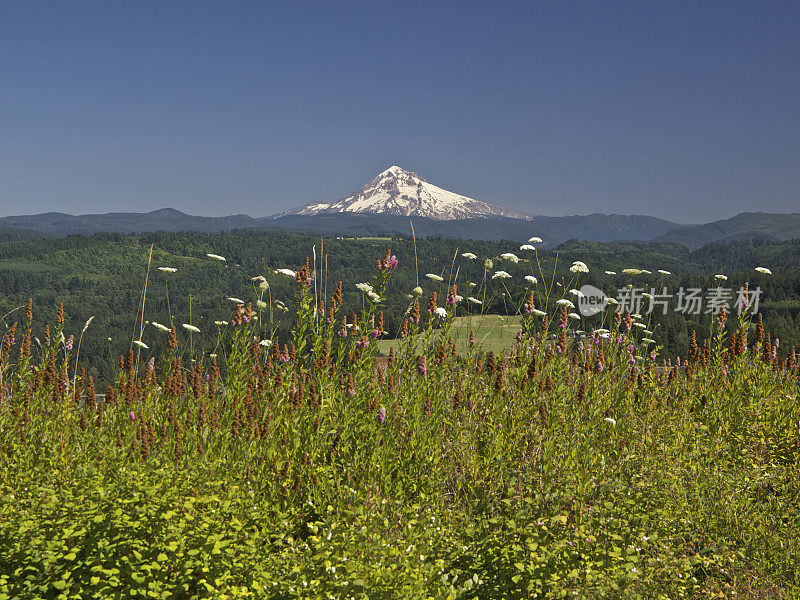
(493, 333)
(562, 469)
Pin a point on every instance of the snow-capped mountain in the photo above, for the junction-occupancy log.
(400, 192)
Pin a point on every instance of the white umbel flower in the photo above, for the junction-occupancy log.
(191, 328)
(216, 257)
(434, 277)
(441, 312)
(469, 255)
(160, 326)
(236, 300)
(579, 267)
(287, 272)
(764, 270)
(531, 279)
(527, 247)
(474, 300)
(565, 302)
(535, 240)
(501, 275)
(510, 256)
(141, 344)
(167, 269)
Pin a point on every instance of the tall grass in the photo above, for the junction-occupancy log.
(566, 466)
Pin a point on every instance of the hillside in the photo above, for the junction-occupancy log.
(742, 226)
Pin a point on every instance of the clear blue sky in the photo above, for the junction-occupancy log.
(683, 110)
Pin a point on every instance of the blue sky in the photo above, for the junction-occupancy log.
(684, 110)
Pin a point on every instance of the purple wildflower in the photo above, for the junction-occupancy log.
(381, 415)
(132, 415)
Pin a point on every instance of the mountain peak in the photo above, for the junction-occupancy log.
(396, 191)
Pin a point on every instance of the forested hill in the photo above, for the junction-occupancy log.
(103, 276)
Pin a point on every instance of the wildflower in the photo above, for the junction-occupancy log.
(382, 415)
(579, 267)
(565, 302)
(601, 331)
(160, 326)
(191, 328)
(527, 247)
(220, 323)
(469, 255)
(216, 257)
(364, 287)
(236, 300)
(151, 364)
(417, 292)
(640, 325)
(263, 286)
(440, 311)
(611, 272)
(472, 284)
(488, 265)
(265, 343)
(611, 300)
(646, 272)
(167, 269)
(261, 304)
(538, 313)
(535, 240)
(722, 277)
(573, 315)
(610, 420)
(648, 341)
(373, 296)
(510, 256)
(764, 270)
(531, 279)
(422, 368)
(474, 300)
(392, 262)
(132, 416)
(287, 272)
(434, 277)
(139, 343)
(501, 275)
(663, 272)
(632, 271)
(577, 293)
(646, 295)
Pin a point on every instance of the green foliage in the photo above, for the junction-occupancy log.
(553, 466)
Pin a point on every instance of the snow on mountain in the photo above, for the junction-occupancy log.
(400, 192)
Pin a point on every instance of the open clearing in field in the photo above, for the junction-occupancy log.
(493, 333)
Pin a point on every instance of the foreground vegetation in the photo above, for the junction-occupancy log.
(303, 468)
